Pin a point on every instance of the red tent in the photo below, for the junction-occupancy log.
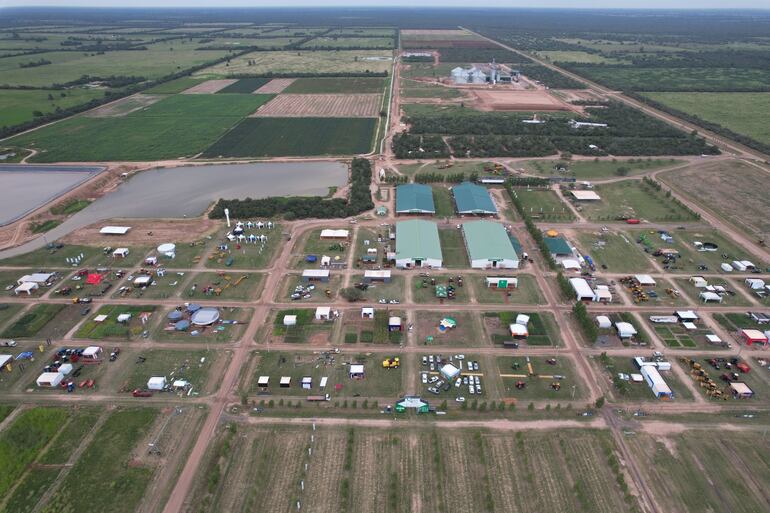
(94, 279)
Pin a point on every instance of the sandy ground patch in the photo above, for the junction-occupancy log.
(210, 86)
(275, 86)
(321, 105)
(487, 100)
(124, 106)
(144, 231)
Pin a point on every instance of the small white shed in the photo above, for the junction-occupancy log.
(367, 313)
(50, 379)
(323, 313)
(120, 253)
(356, 371)
(156, 383)
(518, 331)
(603, 322)
(625, 329)
(289, 320)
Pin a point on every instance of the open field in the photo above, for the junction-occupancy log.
(542, 328)
(311, 244)
(676, 79)
(18, 106)
(524, 101)
(700, 470)
(195, 367)
(275, 137)
(355, 85)
(467, 333)
(414, 89)
(306, 330)
(743, 113)
(343, 61)
(424, 289)
(722, 186)
(110, 328)
(441, 470)
(249, 256)
(377, 381)
(322, 106)
(544, 204)
(586, 169)
(617, 252)
(633, 199)
(349, 42)
(453, 248)
(226, 286)
(274, 86)
(155, 62)
(45, 321)
(634, 392)
(210, 87)
(541, 384)
(181, 125)
(244, 86)
(528, 291)
(575, 56)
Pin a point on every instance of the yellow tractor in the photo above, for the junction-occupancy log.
(391, 363)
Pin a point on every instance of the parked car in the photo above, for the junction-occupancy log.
(141, 393)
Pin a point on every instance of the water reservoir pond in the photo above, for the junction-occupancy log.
(189, 190)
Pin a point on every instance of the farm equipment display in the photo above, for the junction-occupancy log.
(391, 363)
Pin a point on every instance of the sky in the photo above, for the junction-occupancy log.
(583, 4)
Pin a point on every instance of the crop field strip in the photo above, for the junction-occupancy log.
(321, 106)
(177, 125)
(435, 470)
(271, 137)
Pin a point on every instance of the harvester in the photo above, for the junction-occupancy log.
(391, 363)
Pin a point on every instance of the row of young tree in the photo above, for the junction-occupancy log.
(359, 200)
(529, 224)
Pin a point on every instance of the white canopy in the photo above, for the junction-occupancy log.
(645, 280)
(625, 329)
(156, 383)
(603, 321)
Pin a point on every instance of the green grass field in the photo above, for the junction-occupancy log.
(413, 89)
(191, 366)
(111, 328)
(453, 248)
(618, 252)
(544, 204)
(542, 328)
(594, 169)
(538, 386)
(18, 106)
(442, 198)
(180, 125)
(633, 198)
(275, 137)
(357, 85)
(109, 454)
(174, 86)
(155, 62)
(528, 291)
(743, 113)
(33, 321)
(244, 86)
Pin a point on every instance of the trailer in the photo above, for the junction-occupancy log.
(318, 398)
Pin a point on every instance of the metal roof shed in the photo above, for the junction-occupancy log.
(557, 246)
(473, 199)
(583, 291)
(414, 198)
(489, 246)
(418, 244)
(656, 382)
(625, 329)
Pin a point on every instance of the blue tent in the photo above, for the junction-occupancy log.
(174, 315)
(182, 325)
(193, 307)
(311, 259)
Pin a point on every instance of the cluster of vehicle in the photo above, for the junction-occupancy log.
(302, 292)
(384, 301)
(438, 384)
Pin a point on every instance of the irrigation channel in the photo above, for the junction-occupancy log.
(187, 191)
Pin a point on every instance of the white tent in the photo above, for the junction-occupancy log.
(713, 339)
(50, 379)
(755, 283)
(120, 253)
(449, 371)
(570, 264)
(285, 381)
(323, 313)
(709, 297)
(263, 381)
(156, 383)
(356, 371)
(687, 315)
(124, 317)
(625, 329)
(522, 319)
(5, 359)
(65, 369)
(367, 313)
(35, 278)
(26, 288)
(699, 282)
(334, 234)
(142, 281)
(289, 320)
